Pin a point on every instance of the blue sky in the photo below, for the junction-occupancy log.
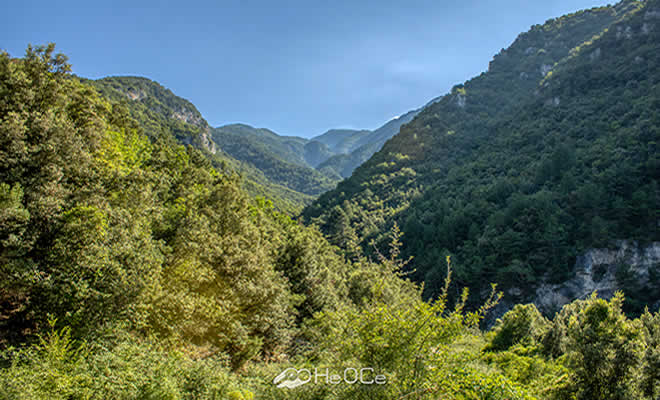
(296, 67)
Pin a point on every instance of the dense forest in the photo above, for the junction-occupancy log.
(138, 260)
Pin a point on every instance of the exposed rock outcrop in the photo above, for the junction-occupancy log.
(136, 94)
(207, 142)
(597, 269)
(188, 117)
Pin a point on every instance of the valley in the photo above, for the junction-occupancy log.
(499, 242)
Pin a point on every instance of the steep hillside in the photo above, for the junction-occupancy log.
(341, 141)
(161, 112)
(288, 148)
(365, 147)
(279, 158)
(343, 165)
(156, 106)
(547, 154)
(391, 128)
(316, 153)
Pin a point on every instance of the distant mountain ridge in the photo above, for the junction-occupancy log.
(279, 158)
(344, 164)
(335, 153)
(289, 169)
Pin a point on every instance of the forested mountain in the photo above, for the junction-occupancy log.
(152, 104)
(281, 159)
(158, 109)
(135, 263)
(350, 148)
(344, 164)
(288, 169)
(517, 172)
(288, 148)
(310, 166)
(391, 128)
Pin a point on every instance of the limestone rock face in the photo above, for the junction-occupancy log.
(194, 118)
(596, 270)
(188, 117)
(207, 142)
(136, 94)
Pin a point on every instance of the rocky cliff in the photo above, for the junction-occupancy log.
(606, 271)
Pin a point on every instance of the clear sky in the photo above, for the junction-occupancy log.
(296, 67)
